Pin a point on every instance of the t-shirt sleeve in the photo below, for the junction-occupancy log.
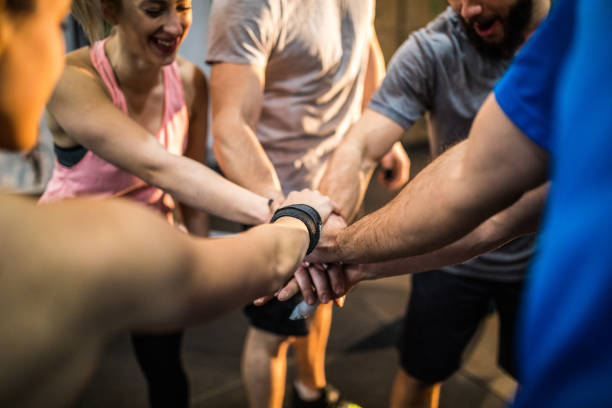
(406, 92)
(241, 32)
(527, 91)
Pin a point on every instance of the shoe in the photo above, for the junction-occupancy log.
(330, 398)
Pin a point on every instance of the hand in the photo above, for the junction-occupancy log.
(316, 200)
(394, 168)
(315, 282)
(315, 285)
(326, 251)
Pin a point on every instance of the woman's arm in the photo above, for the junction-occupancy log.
(196, 96)
(154, 277)
(83, 110)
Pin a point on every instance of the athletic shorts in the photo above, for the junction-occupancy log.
(273, 317)
(442, 316)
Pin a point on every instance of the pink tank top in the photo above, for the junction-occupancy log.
(93, 176)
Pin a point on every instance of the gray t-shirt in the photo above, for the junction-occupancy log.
(315, 54)
(438, 72)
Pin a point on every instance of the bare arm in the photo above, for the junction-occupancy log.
(395, 164)
(375, 70)
(85, 113)
(469, 183)
(350, 169)
(197, 222)
(521, 218)
(237, 93)
(153, 278)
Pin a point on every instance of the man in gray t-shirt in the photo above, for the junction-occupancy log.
(288, 79)
(443, 71)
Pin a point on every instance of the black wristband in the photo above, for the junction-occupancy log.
(308, 215)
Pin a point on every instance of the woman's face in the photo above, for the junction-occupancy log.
(154, 29)
(31, 61)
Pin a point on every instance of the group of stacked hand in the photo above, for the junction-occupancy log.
(322, 277)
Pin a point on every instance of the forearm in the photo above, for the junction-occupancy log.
(201, 188)
(521, 218)
(435, 209)
(346, 179)
(244, 267)
(350, 169)
(243, 160)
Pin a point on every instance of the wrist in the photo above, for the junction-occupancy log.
(291, 222)
(306, 215)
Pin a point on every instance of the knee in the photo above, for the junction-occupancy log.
(270, 344)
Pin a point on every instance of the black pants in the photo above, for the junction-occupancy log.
(159, 357)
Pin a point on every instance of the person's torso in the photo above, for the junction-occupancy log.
(463, 78)
(314, 84)
(94, 176)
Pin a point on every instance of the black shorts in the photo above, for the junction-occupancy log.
(274, 317)
(443, 314)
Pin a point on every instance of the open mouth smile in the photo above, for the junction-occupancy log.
(486, 27)
(164, 45)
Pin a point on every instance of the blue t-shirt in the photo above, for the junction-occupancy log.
(559, 93)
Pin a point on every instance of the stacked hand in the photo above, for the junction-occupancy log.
(316, 200)
(321, 277)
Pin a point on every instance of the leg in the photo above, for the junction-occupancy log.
(264, 360)
(507, 300)
(443, 314)
(160, 361)
(264, 365)
(310, 354)
(407, 391)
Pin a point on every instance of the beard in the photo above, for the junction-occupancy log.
(514, 26)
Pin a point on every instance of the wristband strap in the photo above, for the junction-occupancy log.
(314, 214)
(308, 215)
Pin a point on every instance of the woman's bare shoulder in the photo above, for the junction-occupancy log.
(80, 58)
(194, 80)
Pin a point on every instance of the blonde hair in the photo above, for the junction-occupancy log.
(89, 14)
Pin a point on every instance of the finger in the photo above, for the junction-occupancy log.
(385, 178)
(321, 283)
(303, 280)
(262, 300)
(388, 161)
(290, 290)
(336, 208)
(337, 279)
(340, 301)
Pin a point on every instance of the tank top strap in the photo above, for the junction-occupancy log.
(174, 93)
(105, 70)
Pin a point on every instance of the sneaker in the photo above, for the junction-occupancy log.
(330, 398)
